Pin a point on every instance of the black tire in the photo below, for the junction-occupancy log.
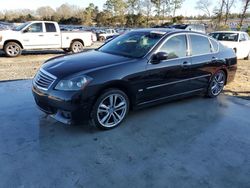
(102, 39)
(248, 57)
(12, 49)
(76, 46)
(66, 50)
(217, 84)
(102, 109)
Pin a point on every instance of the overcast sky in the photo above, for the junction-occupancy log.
(188, 7)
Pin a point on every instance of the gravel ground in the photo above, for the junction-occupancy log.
(25, 66)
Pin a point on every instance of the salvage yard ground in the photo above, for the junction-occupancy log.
(25, 66)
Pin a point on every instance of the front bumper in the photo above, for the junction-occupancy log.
(1, 46)
(65, 107)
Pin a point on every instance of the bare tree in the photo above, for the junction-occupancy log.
(204, 6)
(245, 8)
(176, 4)
(66, 11)
(147, 5)
(45, 13)
(219, 12)
(228, 5)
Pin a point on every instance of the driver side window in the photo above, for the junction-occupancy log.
(35, 28)
(175, 47)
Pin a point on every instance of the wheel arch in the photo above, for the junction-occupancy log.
(79, 40)
(12, 40)
(121, 85)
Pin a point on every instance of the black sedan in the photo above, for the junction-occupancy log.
(137, 69)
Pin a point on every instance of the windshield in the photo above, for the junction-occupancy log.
(20, 27)
(225, 36)
(179, 26)
(132, 44)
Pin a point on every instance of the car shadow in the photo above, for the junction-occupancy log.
(45, 52)
(241, 94)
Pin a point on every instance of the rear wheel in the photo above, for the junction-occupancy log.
(248, 57)
(66, 50)
(101, 39)
(217, 84)
(12, 49)
(110, 109)
(77, 47)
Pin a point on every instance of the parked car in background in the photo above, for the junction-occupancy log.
(134, 70)
(237, 40)
(108, 33)
(6, 26)
(42, 35)
(190, 27)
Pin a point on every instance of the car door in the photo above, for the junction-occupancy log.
(169, 77)
(33, 36)
(204, 59)
(52, 36)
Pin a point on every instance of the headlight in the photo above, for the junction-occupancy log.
(73, 84)
(1, 38)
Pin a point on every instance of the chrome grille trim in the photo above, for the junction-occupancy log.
(43, 80)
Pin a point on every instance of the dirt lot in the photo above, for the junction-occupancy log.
(25, 66)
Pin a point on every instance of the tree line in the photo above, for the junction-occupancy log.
(129, 13)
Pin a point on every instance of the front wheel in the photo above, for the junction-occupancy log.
(12, 49)
(217, 84)
(110, 109)
(77, 47)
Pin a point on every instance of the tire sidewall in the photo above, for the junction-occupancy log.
(12, 43)
(72, 46)
(94, 118)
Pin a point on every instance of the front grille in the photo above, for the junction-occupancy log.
(43, 79)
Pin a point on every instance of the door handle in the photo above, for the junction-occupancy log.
(186, 64)
(56, 35)
(40, 35)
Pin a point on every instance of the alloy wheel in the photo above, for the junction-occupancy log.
(13, 50)
(218, 83)
(112, 110)
(77, 47)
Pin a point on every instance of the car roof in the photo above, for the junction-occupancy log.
(238, 32)
(166, 31)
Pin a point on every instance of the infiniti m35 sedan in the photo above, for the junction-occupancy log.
(134, 70)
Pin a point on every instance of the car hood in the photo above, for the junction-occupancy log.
(8, 32)
(68, 65)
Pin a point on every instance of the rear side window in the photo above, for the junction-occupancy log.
(175, 47)
(215, 45)
(200, 45)
(50, 27)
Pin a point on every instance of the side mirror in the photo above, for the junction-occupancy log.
(158, 57)
(25, 31)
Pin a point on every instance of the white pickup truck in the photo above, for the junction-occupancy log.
(42, 35)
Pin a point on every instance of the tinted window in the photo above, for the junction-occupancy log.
(242, 37)
(176, 47)
(200, 45)
(50, 27)
(246, 36)
(133, 44)
(225, 36)
(215, 45)
(35, 28)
